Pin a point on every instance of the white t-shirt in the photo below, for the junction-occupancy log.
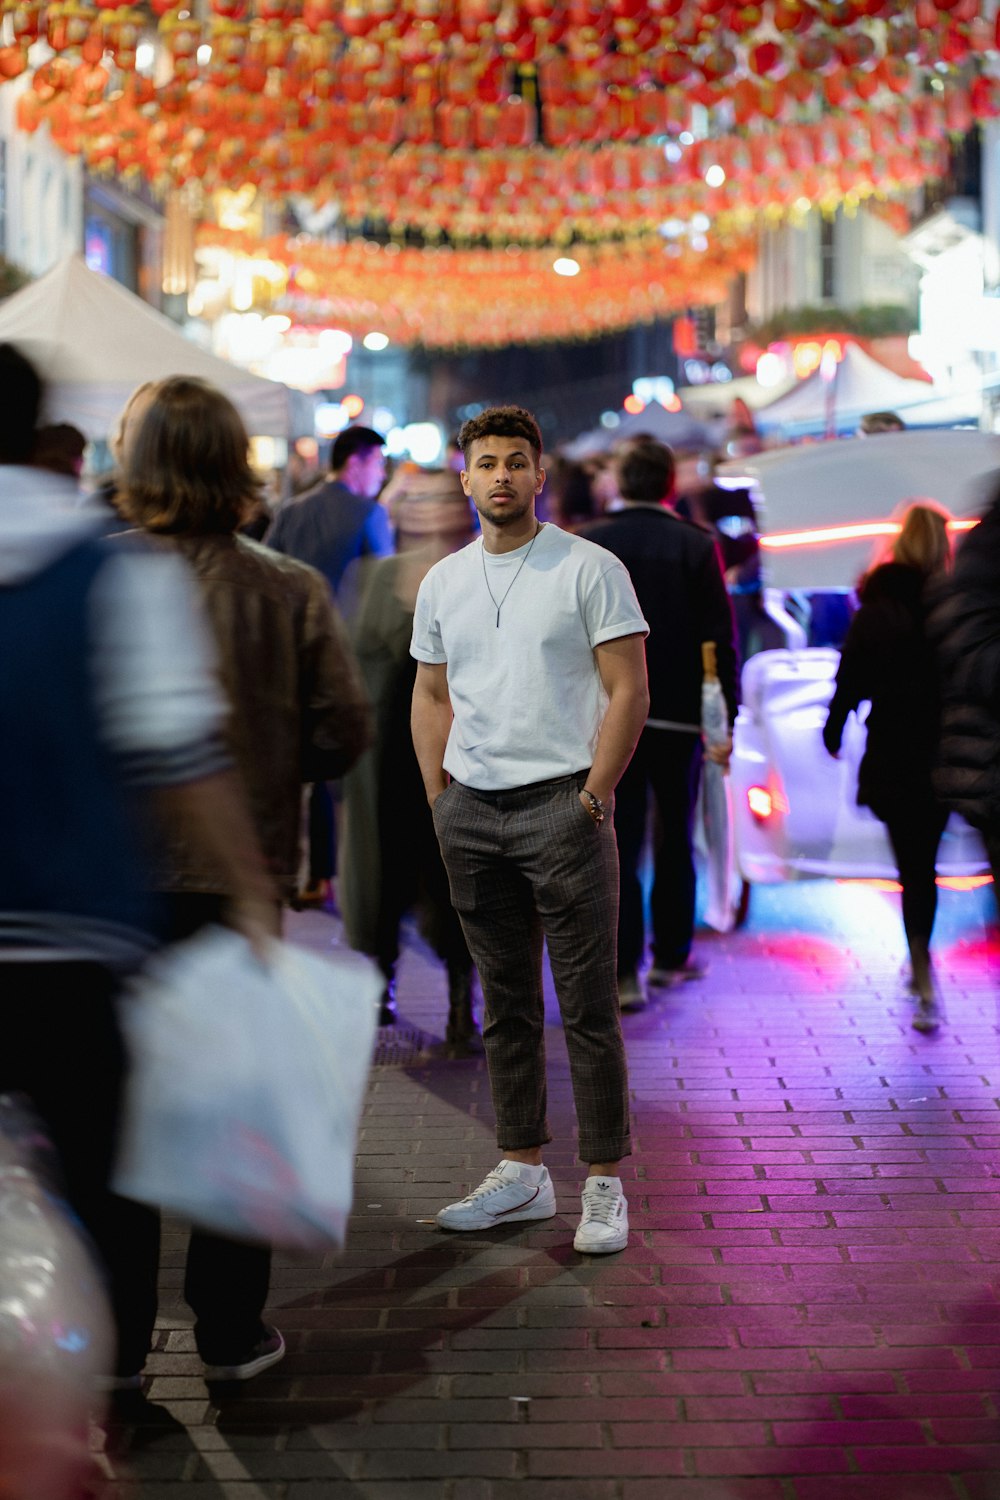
(526, 695)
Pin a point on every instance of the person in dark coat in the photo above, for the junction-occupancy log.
(965, 627)
(677, 576)
(339, 521)
(338, 527)
(887, 660)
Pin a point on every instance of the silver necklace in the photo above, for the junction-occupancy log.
(486, 576)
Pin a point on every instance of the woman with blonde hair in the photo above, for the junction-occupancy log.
(888, 662)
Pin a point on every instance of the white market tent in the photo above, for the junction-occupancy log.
(675, 428)
(93, 341)
(859, 385)
(831, 487)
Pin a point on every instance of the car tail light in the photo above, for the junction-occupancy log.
(760, 802)
(764, 802)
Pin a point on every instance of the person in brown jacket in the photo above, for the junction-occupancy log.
(298, 712)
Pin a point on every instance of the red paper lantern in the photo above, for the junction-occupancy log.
(768, 59)
(25, 21)
(793, 15)
(13, 61)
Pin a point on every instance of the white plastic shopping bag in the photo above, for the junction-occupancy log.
(246, 1087)
(715, 805)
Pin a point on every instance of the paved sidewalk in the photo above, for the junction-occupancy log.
(808, 1309)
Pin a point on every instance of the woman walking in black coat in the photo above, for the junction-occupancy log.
(887, 661)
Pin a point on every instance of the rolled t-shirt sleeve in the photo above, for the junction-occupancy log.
(611, 609)
(426, 643)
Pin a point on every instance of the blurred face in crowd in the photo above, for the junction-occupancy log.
(502, 478)
(364, 472)
(130, 421)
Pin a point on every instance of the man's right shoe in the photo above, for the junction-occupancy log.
(503, 1197)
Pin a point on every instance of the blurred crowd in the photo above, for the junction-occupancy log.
(205, 717)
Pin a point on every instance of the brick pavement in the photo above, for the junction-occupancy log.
(808, 1308)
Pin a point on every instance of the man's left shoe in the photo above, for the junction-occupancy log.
(664, 979)
(265, 1353)
(603, 1229)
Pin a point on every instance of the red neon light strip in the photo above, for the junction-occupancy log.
(824, 536)
(947, 882)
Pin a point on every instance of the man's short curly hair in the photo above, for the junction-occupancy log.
(501, 421)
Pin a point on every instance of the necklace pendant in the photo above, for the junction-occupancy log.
(498, 619)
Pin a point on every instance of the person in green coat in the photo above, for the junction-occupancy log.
(389, 860)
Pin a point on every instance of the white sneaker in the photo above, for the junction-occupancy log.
(604, 1226)
(502, 1198)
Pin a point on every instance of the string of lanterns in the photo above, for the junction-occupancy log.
(669, 127)
(448, 298)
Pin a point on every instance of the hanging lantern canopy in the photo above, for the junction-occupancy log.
(520, 124)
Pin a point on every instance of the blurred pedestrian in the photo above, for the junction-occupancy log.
(297, 711)
(389, 860)
(109, 708)
(335, 525)
(569, 496)
(730, 514)
(874, 422)
(675, 569)
(965, 628)
(340, 520)
(60, 447)
(887, 661)
(108, 489)
(530, 695)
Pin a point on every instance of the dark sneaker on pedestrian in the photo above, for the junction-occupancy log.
(926, 1017)
(265, 1353)
(631, 995)
(664, 979)
(107, 1385)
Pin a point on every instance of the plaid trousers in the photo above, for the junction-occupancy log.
(524, 865)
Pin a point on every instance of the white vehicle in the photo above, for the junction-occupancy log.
(794, 807)
(822, 510)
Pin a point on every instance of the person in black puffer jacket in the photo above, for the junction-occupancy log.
(887, 660)
(964, 626)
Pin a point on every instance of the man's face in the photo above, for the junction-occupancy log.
(502, 479)
(365, 472)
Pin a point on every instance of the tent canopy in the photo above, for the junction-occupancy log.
(859, 385)
(675, 428)
(850, 482)
(93, 342)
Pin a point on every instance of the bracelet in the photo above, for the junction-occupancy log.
(596, 806)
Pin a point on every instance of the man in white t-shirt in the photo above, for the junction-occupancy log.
(529, 699)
